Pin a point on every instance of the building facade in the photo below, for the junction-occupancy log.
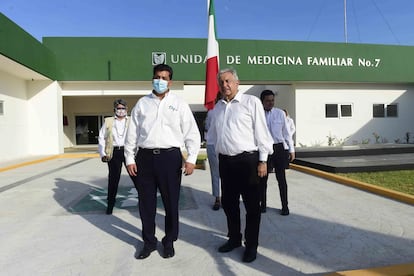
(54, 94)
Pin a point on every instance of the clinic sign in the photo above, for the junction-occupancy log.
(302, 61)
(308, 61)
(130, 59)
(161, 57)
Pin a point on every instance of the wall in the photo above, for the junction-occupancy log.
(13, 124)
(45, 116)
(313, 128)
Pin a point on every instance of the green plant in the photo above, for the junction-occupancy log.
(377, 137)
(331, 139)
(365, 141)
(407, 137)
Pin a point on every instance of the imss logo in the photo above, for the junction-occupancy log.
(159, 58)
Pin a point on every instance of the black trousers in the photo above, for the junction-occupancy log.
(280, 161)
(263, 183)
(158, 169)
(114, 175)
(239, 177)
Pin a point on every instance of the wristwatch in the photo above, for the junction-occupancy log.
(263, 162)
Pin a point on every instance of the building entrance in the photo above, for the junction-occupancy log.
(87, 129)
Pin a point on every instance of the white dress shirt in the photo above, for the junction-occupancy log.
(161, 124)
(291, 125)
(209, 135)
(118, 134)
(279, 128)
(240, 125)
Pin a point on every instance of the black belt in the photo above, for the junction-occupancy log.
(243, 154)
(157, 150)
(118, 147)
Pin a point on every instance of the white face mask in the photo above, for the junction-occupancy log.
(120, 112)
(160, 86)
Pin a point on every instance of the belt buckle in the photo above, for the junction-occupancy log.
(156, 151)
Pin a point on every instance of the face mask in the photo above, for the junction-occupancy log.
(160, 86)
(120, 112)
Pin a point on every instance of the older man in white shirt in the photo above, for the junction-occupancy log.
(243, 143)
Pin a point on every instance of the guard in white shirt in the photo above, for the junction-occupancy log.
(243, 143)
(111, 148)
(283, 148)
(161, 123)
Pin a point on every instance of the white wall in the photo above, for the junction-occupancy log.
(313, 128)
(45, 116)
(32, 121)
(13, 124)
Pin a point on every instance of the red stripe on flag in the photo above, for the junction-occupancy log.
(212, 66)
(211, 83)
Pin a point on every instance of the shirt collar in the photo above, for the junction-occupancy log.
(237, 97)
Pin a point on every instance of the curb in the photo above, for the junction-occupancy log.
(401, 197)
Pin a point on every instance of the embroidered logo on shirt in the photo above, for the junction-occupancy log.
(172, 108)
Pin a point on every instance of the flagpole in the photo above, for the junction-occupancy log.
(345, 24)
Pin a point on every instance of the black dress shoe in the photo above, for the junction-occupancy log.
(249, 255)
(229, 246)
(145, 252)
(284, 212)
(109, 209)
(169, 252)
(263, 209)
(216, 206)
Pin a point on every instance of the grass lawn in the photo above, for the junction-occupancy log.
(401, 181)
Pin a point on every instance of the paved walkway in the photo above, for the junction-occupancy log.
(52, 222)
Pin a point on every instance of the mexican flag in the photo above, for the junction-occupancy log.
(212, 60)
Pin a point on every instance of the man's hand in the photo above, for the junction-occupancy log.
(105, 159)
(188, 168)
(262, 169)
(132, 169)
(292, 156)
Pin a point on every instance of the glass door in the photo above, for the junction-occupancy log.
(87, 130)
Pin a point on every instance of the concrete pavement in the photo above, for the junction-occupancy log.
(52, 222)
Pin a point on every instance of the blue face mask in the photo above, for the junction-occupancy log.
(160, 86)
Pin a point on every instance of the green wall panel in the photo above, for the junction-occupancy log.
(267, 61)
(21, 47)
(131, 59)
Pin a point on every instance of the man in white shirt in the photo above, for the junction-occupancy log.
(243, 143)
(111, 148)
(291, 123)
(283, 148)
(161, 123)
(213, 161)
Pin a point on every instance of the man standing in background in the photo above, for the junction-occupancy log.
(283, 148)
(111, 148)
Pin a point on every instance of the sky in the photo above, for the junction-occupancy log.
(367, 21)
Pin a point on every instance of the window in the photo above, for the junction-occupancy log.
(346, 110)
(1, 108)
(331, 111)
(382, 110)
(338, 110)
(378, 110)
(392, 110)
